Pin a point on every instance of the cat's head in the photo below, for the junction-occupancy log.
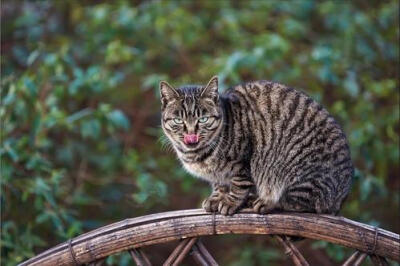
(191, 116)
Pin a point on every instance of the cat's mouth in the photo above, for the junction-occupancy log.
(191, 145)
(191, 140)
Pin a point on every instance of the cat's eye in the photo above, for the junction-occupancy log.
(178, 120)
(203, 119)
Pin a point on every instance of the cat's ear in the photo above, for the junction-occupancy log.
(211, 90)
(167, 92)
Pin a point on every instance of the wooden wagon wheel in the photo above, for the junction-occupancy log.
(188, 225)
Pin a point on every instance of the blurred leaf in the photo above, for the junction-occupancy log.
(119, 119)
(91, 128)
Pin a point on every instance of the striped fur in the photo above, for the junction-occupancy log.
(263, 142)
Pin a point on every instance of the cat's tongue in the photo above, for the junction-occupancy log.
(191, 139)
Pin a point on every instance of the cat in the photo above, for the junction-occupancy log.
(259, 143)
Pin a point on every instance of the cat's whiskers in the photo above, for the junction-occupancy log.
(166, 144)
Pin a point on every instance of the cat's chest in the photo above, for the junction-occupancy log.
(205, 171)
(199, 169)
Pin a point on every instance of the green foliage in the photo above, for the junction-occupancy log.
(336, 252)
(256, 255)
(80, 112)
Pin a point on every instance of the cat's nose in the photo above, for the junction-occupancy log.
(190, 138)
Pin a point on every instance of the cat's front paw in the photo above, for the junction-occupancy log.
(228, 205)
(211, 203)
(262, 206)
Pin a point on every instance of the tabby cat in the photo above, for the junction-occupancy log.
(259, 143)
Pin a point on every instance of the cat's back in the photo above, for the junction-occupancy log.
(280, 116)
(273, 98)
(278, 104)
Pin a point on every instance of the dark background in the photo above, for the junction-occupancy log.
(80, 137)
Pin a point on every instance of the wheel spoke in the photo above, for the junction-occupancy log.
(180, 252)
(205, 253)
(292, 251)
(139, 257)
(360, 259)
(350, 261)
(198, 257)
(378, 260)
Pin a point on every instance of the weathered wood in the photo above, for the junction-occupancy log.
(169, 226)
(360, 259)
(139, 257)
(136, 257)
(378, 260)
(145, 258)
(206, 255)
(184, 251)
(350, 261)
(198, 257)
(172, 257)
(292, 251)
